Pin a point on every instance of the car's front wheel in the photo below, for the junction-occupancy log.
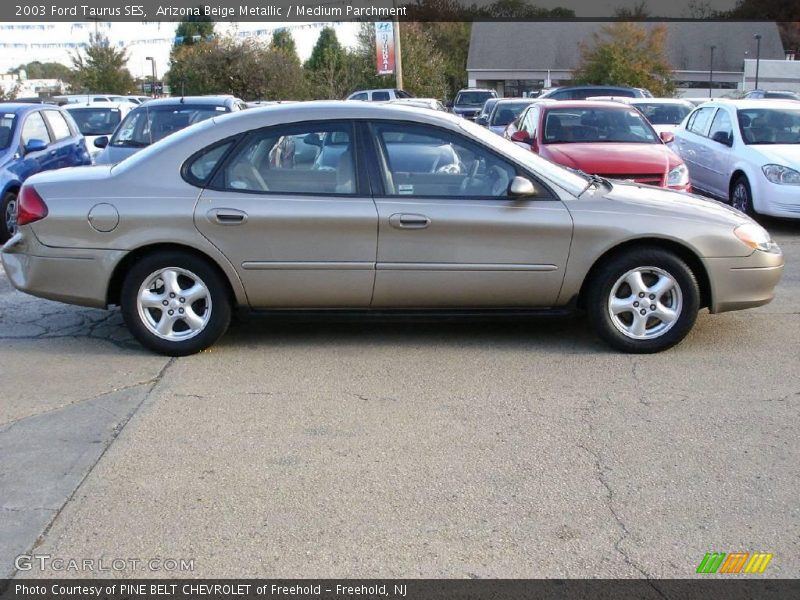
(645, 300)
(742, 197)
(8, 217)
(175, 303)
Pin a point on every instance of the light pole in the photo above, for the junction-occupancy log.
(711, 71)
(153, 63)
(398, 52)
(758, 55)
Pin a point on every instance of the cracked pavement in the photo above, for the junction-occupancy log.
(361, 449)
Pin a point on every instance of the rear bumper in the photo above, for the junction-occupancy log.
(63, 274)
(738, 283)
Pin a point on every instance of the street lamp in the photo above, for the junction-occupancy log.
(153, 63)
(758, 55)
(711, 71)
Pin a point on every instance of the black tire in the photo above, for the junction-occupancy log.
(654, 263)
(216, 300)
(741, 197)
(9, 200)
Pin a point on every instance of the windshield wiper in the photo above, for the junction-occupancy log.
(594, 180)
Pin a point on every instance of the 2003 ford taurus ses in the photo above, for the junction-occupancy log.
(350, 206)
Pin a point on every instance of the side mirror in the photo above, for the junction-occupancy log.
(667, 137)
(521, 187)
(723, 137)
(482, 121)
(101, 142)
(521, 137)
(35, 145)
(313, 139)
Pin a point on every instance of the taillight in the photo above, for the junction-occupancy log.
(30, 206)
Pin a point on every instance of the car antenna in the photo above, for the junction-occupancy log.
(183, 99)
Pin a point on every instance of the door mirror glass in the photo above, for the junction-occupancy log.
(667, 137)
(101, 142)
(482, 120)
(521, 187)
(35, 145)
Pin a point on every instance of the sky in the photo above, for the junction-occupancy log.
(140, 39)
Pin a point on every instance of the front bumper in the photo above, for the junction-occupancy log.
(74, 276)
(747, 282)
(777, 200)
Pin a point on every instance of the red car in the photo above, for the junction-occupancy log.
(609, 139)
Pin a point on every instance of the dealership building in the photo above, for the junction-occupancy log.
(516, 58)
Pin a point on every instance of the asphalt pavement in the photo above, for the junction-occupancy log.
(369, 449)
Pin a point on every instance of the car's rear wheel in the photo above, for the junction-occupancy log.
(8, 214)
(175, 303)
(645, 300)
(742, 197)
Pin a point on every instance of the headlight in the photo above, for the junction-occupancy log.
(756, 237)
(781, 175)
(678, 176)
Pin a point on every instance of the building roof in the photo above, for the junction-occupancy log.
(521, 46)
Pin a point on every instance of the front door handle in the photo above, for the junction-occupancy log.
(226, 216)
(409, 221)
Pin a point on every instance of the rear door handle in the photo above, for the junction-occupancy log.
(409, 221)
(227, 216)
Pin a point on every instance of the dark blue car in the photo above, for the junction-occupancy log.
(33, 138)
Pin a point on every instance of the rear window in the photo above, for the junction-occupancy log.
(662, 113)
(96, 120)
(146, 125)
(473, 98)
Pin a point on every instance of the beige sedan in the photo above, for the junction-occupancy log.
(343, 206)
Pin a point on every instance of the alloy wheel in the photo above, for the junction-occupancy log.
(11, 216)
(645, 303)
(174, 304)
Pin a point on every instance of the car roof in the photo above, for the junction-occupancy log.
(22, 107)
(100, 105)
(515, 101)
(475, 89)
(588, 104)
(220, 100)
(746, 103)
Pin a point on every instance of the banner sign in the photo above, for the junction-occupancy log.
(384, 47)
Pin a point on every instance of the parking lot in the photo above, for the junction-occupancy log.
(419, 449)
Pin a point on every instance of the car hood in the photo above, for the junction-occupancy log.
(787, 155)
(612, 158)
(111, 155)
(634, 198)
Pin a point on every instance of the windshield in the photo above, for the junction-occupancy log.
(505, 112)
(146, 125)
(663, 113)
(769, 125)
(7, 121)
(782, 95)
(473, 98)
(96, 120)
(567, 179)
(597, 124)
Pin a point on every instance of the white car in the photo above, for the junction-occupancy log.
(382, 95)
(745, 151)
(98, 120)
(431, 103)
(664, 114)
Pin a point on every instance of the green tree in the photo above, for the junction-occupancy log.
(627, 54)
(636, 12)
(331, 71)
(10, 94)
(100, 67)
(48, 70)
(193, 30)
(282, 41)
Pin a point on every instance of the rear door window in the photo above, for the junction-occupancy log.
(58, 125)
(380, 96)
(35, 129)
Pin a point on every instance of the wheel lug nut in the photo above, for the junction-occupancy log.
(183, 299)
(636, 304)
(652, 307)
(165, 303)
(641, 294)
(180, 310)
(652, 296)
(172, 294)
(643, 312)
(171, 312)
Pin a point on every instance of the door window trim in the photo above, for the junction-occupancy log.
(379, 158)
(286, 129)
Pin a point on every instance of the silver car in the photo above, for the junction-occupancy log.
(387, 208)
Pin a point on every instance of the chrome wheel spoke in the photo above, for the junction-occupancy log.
(664, 314)
(150, 299)
(194, 293)
(192, 319)
(662, 286)
(170, 278)
(636, 283)
(639, 326)
(165, 324)
(620, 305)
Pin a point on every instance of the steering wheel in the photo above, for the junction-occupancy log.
(465, 185)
